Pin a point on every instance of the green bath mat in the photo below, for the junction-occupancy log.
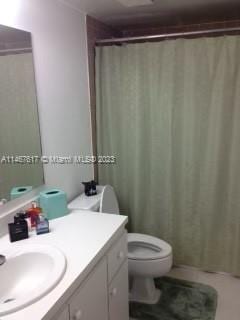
(180, 300)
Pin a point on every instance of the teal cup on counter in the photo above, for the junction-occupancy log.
(53, 203)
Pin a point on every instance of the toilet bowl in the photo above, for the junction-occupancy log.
(148, 257)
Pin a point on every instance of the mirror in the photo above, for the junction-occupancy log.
(21, 169)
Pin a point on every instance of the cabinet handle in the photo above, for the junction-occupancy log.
(78, 315)
(114, 292)
(120, 255)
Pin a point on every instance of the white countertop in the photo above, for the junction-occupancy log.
(84, 237)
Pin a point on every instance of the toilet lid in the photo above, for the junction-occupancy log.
(109, 203)
(145, 247)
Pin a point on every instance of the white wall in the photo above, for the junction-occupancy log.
(59, 41)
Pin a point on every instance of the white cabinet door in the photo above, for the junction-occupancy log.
(90, 302)
(116, 256)
(63, 315)
(118, 295)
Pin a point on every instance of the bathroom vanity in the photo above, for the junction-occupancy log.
(95, 283)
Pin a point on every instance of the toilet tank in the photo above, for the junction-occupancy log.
(104, 201)
(84, 202)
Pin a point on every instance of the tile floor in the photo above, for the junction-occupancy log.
(228, 289)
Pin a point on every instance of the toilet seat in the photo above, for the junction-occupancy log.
(145, 247)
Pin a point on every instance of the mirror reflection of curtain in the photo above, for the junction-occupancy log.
(170, 113)
(19, 127)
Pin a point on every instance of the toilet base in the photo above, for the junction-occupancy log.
(143, 290)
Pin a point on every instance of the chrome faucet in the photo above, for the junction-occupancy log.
(2, 259)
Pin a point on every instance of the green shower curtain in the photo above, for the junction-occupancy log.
(170, 113)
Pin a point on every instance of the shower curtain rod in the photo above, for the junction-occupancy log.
(166, 35)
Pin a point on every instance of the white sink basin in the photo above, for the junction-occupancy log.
(29, 273)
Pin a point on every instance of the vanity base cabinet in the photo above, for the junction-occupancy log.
(90, 301)
(63, 315)
(118, 295)
(103, 295)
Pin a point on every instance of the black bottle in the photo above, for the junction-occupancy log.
(19, 229)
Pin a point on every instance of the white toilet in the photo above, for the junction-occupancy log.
(148, 257)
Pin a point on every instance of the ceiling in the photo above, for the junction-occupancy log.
(163, 12)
